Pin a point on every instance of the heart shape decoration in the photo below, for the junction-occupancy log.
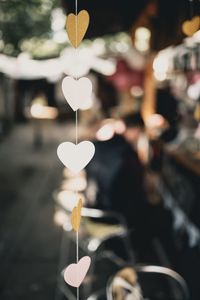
(190, 27)
(76, 216)
(77, 26)
(77, 92)
(76, 157)
(75, 273)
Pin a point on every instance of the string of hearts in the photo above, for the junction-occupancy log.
(77, 92)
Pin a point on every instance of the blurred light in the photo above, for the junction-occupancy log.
(69, 199)
(8, 49)
(98, 46)
(69, 174)
(109, 128)
(73, 63)
(23, 57)
(137, 91)
(60, 217)
(122, 47)
(105, 133)
(76, 63)
(67, 226)
(155, 120)
(194, 91)
(155, 125)
(119, 127)
(160, 76)
(58, 20)
(196, 36)
(143, 148)
(142, 39)
(92, 297)
(75, 184)
(161, 66)
(94, 244)
(139, 61)
(39, 111)
(105, 67)
(46, 6)
(142, 46)
(1, 45)
(197, 132)
(60, 37)
(87, 104)
(142, 33)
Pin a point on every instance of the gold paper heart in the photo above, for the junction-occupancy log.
(77, 26)
(76, 216)
(197, 113)
(190, 27)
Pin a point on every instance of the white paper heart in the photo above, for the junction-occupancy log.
(75, 273)
(77, 92)
(76, 157)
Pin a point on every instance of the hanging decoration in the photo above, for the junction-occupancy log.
(77, 26)
(75, 156)
(76, 216)
(77, 92)
(75, 273)
(189, 27)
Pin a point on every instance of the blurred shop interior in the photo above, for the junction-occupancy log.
(141, 192)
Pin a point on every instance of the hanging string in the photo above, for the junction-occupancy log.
(191, 8)
(76, 29)
(76, 51)
(77, 258)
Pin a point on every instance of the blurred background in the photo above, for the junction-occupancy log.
(141, 192)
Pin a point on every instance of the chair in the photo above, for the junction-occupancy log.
(97, 228)
(156, 283)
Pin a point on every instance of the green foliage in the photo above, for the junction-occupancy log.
(24, 19)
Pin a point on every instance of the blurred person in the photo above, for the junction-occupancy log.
(167, 106)
(116, 175)
(118, 181)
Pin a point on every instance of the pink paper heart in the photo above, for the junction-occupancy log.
(75, 273)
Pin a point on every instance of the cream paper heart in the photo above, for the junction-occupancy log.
(77, 26)
(78, 93)
(74, 274)
(76, 157)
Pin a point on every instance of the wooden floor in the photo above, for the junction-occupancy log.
(29, 238)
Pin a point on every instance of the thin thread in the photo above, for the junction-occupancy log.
(77, 293)
(76, 127)
(76, 4)
(77, 254)
(77, 258)
(76, 23)
(191, 8)
(76, 26)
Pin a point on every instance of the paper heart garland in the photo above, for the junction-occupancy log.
(77, 92)
(76, 157)
(76, 216)
(77, 26)
(190, 27)
(75, 273)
